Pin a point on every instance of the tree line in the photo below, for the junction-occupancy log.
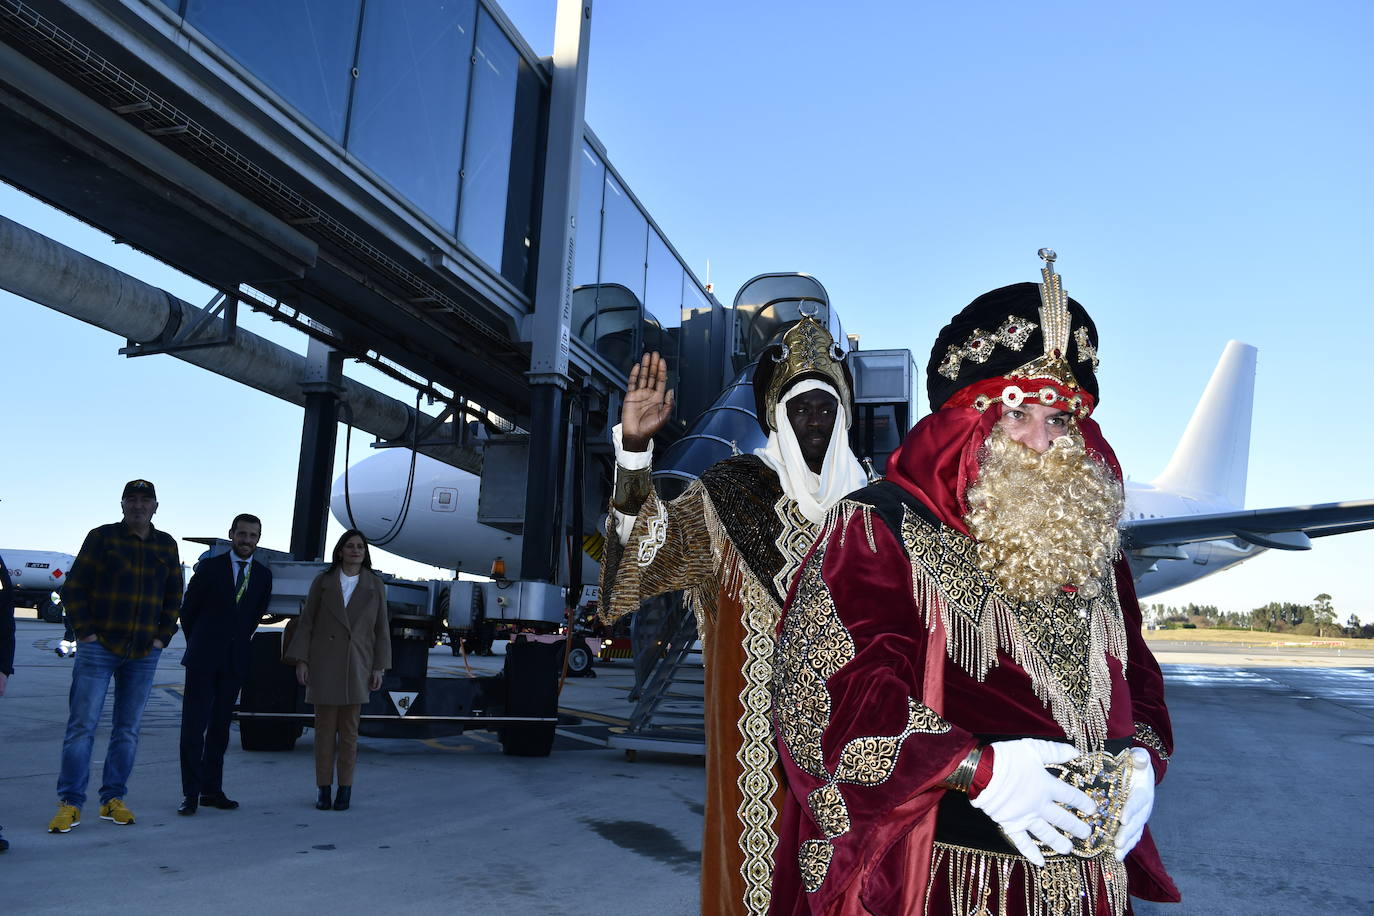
(1316, 619)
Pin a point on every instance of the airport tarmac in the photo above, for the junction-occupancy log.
(1264, 811)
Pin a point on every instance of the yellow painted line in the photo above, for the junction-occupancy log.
(457, 749)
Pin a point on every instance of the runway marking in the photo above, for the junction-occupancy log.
(1208, 676)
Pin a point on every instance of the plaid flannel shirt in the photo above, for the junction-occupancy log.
(124, 590)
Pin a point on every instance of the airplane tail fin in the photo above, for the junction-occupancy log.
(1213, 456)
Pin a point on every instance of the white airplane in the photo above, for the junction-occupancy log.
(1189, 522)
(1186, 524)
(38, 576)
(440, 526)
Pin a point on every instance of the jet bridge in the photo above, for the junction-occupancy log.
(429, 211)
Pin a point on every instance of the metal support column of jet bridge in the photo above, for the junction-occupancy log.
(552, 319)
(322, 384)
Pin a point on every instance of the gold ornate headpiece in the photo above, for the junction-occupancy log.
(1047, 379)
(1054, 329)
(808, 351)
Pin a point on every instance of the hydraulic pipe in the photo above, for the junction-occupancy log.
(39, 269)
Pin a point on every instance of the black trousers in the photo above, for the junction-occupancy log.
(205, 713)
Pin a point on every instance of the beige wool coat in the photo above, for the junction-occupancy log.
(343, 645)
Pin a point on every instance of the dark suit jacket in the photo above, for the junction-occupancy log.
(217, 630)
(6, 620)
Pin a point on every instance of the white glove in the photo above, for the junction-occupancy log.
(1138, 804)
(1025, 800)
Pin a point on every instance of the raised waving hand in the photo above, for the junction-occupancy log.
(648, 403)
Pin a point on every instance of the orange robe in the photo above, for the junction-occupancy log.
(733, 542)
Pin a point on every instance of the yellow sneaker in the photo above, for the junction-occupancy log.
(114, 810)
(67, 817)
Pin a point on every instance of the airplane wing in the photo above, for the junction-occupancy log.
(1287, 528)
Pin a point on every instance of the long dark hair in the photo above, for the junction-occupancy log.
(337, 556)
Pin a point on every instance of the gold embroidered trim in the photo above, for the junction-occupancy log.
(1147, 737)
(757, 754)
(870, 761)
(1061, 642)
(696, 555)
(812, 647)
(979, 883)
(656, 536)
(814, 858)
(794, 540)
(828, 808)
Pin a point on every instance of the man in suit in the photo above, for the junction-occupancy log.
(224, 603)
(6, 644)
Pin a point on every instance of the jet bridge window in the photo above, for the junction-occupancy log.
(587, 258)
(624, 240)
(410, 104)
(303, 49)
(663, 304)
(486, 161)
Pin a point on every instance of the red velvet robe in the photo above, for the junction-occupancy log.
(891, 666)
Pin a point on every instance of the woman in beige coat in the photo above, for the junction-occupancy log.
(340, 648)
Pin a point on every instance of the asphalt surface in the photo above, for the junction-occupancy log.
(1264, 809)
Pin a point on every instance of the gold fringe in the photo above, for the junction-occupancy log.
(979, 621)
(979, 883)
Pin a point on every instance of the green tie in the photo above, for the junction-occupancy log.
(241, 582)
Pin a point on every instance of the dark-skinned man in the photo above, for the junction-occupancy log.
(733, 542)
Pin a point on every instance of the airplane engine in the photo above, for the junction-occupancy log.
(437, 524)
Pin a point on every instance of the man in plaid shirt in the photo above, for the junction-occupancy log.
(122, 596)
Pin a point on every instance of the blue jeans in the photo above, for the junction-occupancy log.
(133, 678)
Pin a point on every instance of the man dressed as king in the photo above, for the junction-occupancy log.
(968, 717)
(733, 542)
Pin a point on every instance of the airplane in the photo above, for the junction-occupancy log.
(1189, 522)
(38, 576)
(1186, 524)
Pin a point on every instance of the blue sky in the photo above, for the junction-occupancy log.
(1202, 169)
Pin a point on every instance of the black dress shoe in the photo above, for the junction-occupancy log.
(323, 802)
(220, 801)
(188, 806)
(342, 798)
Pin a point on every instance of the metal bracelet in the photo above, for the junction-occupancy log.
(962, 778)
(632, 488)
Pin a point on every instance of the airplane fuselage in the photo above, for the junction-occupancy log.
(1158, 569)
(440, 527)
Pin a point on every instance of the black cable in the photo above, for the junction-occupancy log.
(395, 530)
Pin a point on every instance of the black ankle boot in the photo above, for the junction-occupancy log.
(323, 802)
(342, 798)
